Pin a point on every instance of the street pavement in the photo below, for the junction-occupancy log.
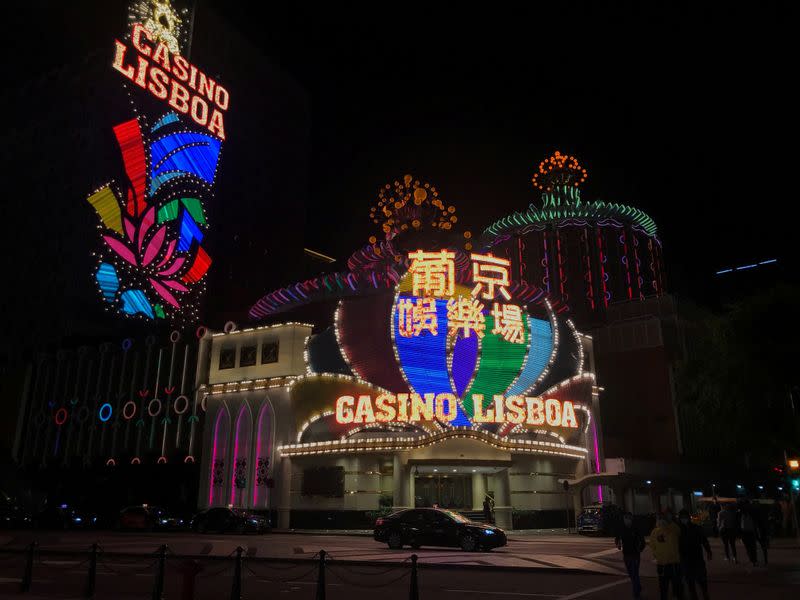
(531, 566)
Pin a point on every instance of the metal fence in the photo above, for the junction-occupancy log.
(33, 562)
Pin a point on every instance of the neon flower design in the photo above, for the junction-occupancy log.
(152, 262)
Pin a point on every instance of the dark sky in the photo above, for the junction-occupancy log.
(684, 111)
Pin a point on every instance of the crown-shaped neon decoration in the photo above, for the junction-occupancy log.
(411, 205)
(559, 170)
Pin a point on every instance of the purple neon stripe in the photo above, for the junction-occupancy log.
(465, 358)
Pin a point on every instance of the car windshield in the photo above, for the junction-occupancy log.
(456, 516)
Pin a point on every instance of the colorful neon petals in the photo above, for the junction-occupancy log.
(108, 281)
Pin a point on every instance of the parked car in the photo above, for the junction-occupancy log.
(12, 515)
(599, 518)
(65, 516)
(148, 518)
(436, 527)
(229, 520)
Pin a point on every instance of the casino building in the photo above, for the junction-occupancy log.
(440, 379)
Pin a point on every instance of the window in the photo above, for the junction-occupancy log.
(247, 356)
(323, 481)
(227, 357)
(269, 352)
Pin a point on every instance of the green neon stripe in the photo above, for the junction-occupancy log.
(195, 209)
(500, 365)
(168, 212)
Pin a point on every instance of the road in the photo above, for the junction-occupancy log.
(530, 567)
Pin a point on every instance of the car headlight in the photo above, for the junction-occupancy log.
(77, 519)
(488, 531)
(163, 521)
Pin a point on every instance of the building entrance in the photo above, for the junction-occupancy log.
(452, 491)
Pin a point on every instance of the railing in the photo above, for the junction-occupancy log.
(32, 560)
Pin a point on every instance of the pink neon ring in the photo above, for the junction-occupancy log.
(125, 413)
(63, 412)
(201, 331)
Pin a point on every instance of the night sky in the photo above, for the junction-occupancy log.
(682, 111)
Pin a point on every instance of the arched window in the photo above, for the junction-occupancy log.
(219, 454)
(263, 456)
(241, 455)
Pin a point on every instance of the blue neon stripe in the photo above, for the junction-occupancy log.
(134, 301)
(423, 358)
(538, 356)
(187, 152)
(108, 281)
(189, 232)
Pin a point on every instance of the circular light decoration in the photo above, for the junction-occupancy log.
(136, 460)
(129, 410)
(111, 462)
(175, 336)
(162, 460)
(61, 416)
(82, 414)
(127, 344)
(201, 331)
(229, 327)
(184, 406)
(154, 407)
(189, 460)
(105, 412)
(559, 170)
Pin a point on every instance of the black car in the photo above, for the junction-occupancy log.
(12, 515)
(229, 520)
(435, 527)
(65, 516)
(600, 518)
(148, 518)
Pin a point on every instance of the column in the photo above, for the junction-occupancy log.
(502, 499)
(478, 490)
(285, 497)
(410, 497)
(398, 483)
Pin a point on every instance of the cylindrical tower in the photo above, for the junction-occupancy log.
(586, 255)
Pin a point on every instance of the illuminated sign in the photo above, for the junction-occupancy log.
(172, 78)
(464, 334)
(152, 260)
(412, 408)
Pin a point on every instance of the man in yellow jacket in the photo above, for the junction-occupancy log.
(664, 543)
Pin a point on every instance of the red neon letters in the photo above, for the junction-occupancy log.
(164, 76)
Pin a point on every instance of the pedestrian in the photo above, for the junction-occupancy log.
(762, 529)
(727, 522)
(747, 529)
(664, 540)
(713, 513)
(487, 509)
(631, 542)
(693, 566)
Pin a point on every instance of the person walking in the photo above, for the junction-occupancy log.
(761, 513)
(713, 514)
(631, 542)
(691, 545)
(747, 528)
(664, 540)
(727, 523)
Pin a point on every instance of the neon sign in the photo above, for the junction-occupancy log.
(172, 78)
(414, 408)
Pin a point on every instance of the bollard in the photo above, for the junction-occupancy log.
(413, 592)
(321, 576)
(90, 583)
(27, 577)
(158, 586)
(189, 569)
(236, 588)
